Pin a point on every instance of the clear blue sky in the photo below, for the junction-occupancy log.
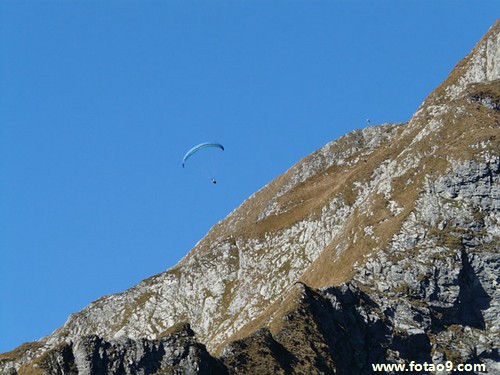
(99, 101)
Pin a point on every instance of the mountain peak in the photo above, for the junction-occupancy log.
(481, 65)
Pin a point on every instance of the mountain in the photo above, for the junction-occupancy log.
(381, 247)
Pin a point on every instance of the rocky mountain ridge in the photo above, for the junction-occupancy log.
(382, 246)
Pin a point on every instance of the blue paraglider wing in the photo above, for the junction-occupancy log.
(197, 148)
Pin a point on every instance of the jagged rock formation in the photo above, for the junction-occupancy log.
(381, 247)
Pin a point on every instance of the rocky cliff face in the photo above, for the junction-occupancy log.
(381, 247)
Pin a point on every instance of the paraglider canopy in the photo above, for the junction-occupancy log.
(199, 147)
(207, 158)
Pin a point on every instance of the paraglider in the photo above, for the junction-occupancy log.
(197, 149)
